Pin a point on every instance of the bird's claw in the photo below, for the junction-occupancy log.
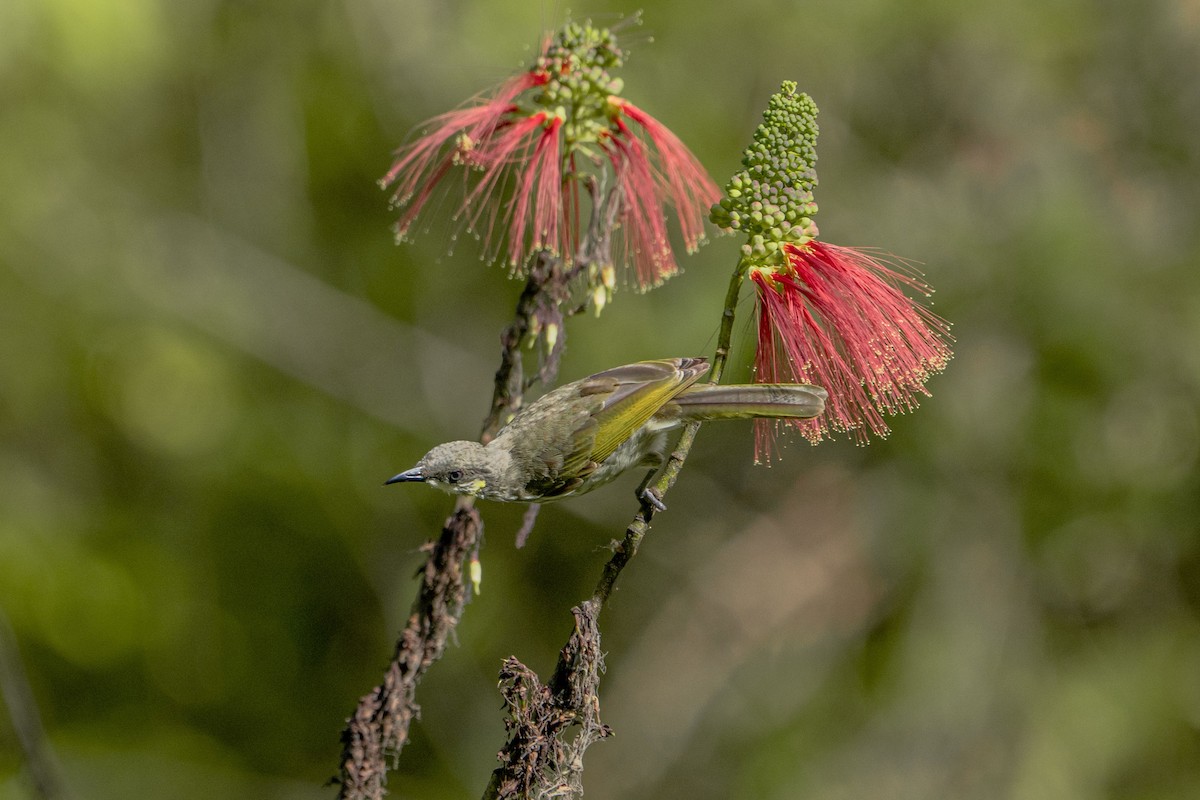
(651, 497)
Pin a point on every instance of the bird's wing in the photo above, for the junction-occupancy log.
(632, 394)
(564, 436)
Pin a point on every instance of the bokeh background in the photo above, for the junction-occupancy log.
(211, 354)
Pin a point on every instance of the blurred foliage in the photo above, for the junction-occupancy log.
(213, 353)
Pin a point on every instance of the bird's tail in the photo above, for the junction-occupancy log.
(705, 402)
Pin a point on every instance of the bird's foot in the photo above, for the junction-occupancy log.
(651, 497)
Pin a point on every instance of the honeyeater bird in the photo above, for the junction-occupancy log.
(583, 434)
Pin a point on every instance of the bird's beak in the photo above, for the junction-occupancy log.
(413, 474)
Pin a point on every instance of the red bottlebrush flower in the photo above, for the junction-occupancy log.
(493, 138)
(526, 151)
(420, 165)
(837, 317)
(530, 147)
(678, 179)
(827, 315)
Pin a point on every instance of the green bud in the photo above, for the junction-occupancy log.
(599, 299)
(608, 276)
(476, 573)
(772, 195)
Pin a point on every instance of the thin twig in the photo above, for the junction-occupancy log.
(378, 730)
(624, 551)
(45, 779)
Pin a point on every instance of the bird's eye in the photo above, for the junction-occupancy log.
(454, 475)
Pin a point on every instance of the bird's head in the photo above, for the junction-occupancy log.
(457, 467)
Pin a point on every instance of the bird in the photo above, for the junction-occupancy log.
(584, 434)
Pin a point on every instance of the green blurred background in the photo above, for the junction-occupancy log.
(212, 353)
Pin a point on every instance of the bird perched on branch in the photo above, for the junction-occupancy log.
(584, 434)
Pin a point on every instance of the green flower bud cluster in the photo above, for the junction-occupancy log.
(771, 200)
(576, 65)
(583, 43)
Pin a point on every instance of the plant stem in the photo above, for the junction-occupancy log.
(721, 354)
(637, 529)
